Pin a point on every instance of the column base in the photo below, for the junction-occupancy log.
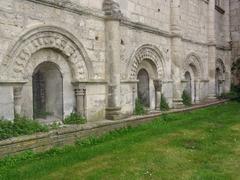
(178, 104)
(197, 102)
(113, 113)
(212, 97)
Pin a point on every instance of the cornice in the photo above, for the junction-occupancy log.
(71, 7)
(144, 27)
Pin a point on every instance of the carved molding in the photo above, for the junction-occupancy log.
(147, 52)
(52, 38)
(193, 61)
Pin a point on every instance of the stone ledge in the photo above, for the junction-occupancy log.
(69, 134)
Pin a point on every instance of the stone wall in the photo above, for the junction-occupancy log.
(155, 13)
(194, 20)
(100, 46)
(235, 28)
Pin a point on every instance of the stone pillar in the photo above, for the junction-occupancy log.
(134, 90)
(177, 51)
(17, 92)
(112, 28)
(80, 94)
(221, 87)
(158, 90)
(227, 82)
(211, 50)
(197, 85)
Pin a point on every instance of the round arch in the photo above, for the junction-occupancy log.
(50, 37)
(150, 53)
(193, 61)
(193, 65)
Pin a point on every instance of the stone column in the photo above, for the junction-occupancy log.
(221, 87)
(177, 51)
(211, 50)
(134, 96)
(112, 28)
(80, 94)
(197, 85)
(158, 89)
(227, 82)
(17, 92)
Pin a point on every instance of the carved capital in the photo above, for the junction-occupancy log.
(80, 92)
(17, 91)
(158, 85)
(112, 9)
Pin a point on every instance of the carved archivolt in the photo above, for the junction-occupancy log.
(47, 37)
(193, 61)
(147, 52)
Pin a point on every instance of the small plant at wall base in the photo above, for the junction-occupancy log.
(187, 100)
(44, 114)
(74, 118)
(234, 94)
(164, 105)
(139, 108)
(20, 126)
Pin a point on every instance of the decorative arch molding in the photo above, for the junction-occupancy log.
(147, 52)
(193, 61)
(45, 37)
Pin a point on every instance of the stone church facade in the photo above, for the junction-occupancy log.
(96, 57)
(235, 31)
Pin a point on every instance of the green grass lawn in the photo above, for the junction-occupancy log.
(202, 144)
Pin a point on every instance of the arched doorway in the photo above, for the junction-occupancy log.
(188, 87)
(47, 83)
(143, 87)
(193, 72)
(192, 84)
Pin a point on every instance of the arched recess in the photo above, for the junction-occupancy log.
(149, 59)
(143, 87)
(47, 89)
(53, 45)
(193, 60)
(150, 52)
(47, 37)
(193, 68)
(220, 75)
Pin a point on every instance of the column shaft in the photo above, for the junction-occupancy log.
(177, 51)
(17, 100)
(113, 110)
(80, 101)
